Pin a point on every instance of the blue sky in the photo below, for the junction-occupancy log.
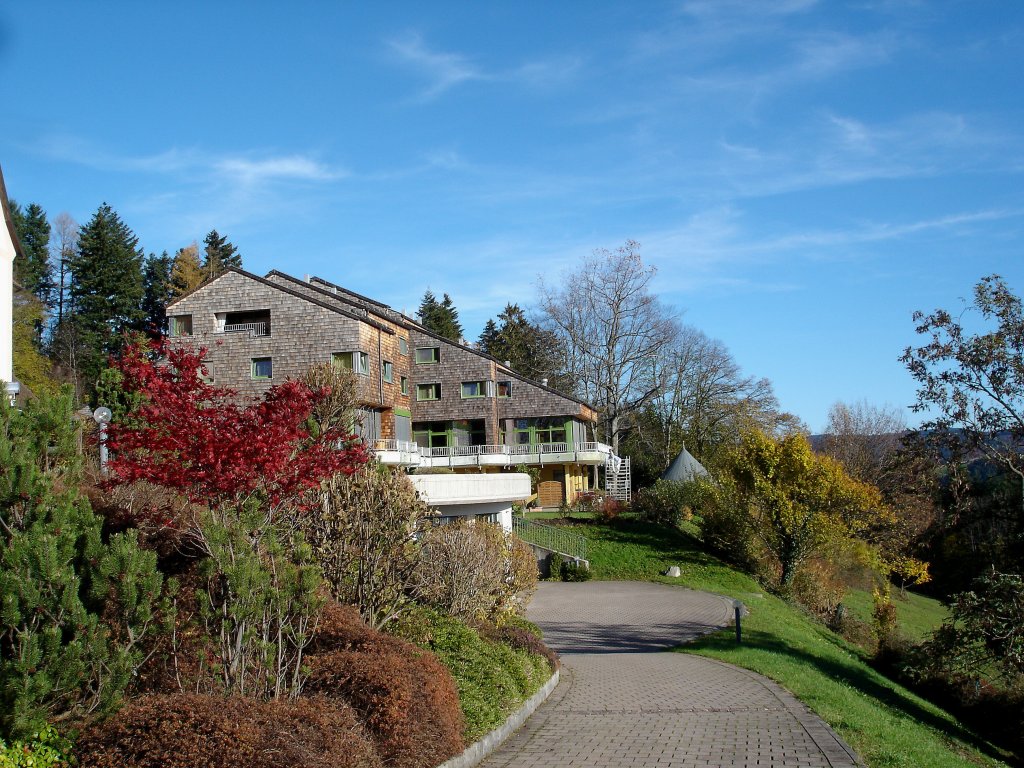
(802, 174)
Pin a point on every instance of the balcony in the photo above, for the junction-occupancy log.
(406, 454)
(253, 329)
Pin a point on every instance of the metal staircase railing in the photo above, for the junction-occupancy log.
(551, 537)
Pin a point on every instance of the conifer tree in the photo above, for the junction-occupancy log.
(106, 289)
(532, 351)
(441, 317)
(73, 609)
(219, 255)
(157, 292)
(186, 271)
(33, 270)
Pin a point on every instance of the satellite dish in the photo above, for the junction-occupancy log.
(102, 415)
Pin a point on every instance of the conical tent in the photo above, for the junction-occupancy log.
(684, 468)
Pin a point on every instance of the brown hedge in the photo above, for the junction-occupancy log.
(406, 698)
(196, 731)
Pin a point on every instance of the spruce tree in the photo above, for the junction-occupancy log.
(33, 269)
(532, 351)
(441, 317)
(220, 254)
(157, 293)
(487, 337)
(106, 289)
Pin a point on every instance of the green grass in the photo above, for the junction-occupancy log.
(918, 615)
(493, 679)
(885, 723)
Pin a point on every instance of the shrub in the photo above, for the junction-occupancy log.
(362, 535)
(669, 502)
(818, 589)
(521, 638)
(44, 749)
(555, 563)
(493, 679)
(475, 570)
(186, 730)
(574, 570)
(405, 697)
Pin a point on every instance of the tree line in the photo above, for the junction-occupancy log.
(83, 287)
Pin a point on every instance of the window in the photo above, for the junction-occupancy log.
(403, 346)
(428, 354)
(262, 368)
(550, 430)
(405, 384)
(387, 371)
(432, 434)
(504, 389)
(181, 325)
(472, 389)
(428, 391)
(353, 361)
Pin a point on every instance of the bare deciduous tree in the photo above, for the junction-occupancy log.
(614, 332)
(861, 437)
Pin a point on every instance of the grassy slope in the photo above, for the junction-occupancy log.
(918, 615)
(885, 723)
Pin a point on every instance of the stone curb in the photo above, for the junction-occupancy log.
(479, 750)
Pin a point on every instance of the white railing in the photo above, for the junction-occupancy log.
(254, 329)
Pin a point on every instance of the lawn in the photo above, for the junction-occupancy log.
(885, 723)
(918, 615)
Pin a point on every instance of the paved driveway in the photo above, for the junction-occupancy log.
(624, 702)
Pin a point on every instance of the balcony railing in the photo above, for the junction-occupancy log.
(410, 453)
(253, 329)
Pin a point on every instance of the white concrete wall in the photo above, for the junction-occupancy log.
(470, 495)
(6, 305)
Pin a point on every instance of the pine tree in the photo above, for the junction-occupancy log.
(33, 270)
(157, 292)
(441, 317)
(186, 271)
(106, 289)
(73, 609)
(487, 337)
(220, 254)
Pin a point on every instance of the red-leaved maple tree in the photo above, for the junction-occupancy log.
(201, 440)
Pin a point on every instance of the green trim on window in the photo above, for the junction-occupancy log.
(262, 368)
(507, 387)
(403, 346)
(426, 392)
(473, 389)
(402, 412)
(404, 384)
(433, 355)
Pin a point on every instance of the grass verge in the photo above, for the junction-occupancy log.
(493, 679)
(918, 615)
(884, 722)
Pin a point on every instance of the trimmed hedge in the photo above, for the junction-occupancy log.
(404, 696)
(189, 730)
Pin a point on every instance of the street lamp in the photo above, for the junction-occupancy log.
(102, 416)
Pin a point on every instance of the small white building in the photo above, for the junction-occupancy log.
(9, 246)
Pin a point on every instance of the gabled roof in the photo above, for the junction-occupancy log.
(361, 316)
(8, 219)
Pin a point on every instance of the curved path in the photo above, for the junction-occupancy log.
(622, 703)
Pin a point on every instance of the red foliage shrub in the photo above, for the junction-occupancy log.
(189, 731)
(406, 698)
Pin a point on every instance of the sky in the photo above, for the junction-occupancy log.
(803, 175)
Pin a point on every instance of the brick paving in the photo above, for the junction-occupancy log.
(621, 702)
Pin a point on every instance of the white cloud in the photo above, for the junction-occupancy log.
(271, 168)
(443, 71)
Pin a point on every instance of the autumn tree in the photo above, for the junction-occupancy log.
(246, 466)
(795, 502)
(441, 317)
(186, 271)
(613, 331)
(531, 350)
(218, 255)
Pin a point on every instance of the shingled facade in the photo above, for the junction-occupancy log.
(425, 400)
